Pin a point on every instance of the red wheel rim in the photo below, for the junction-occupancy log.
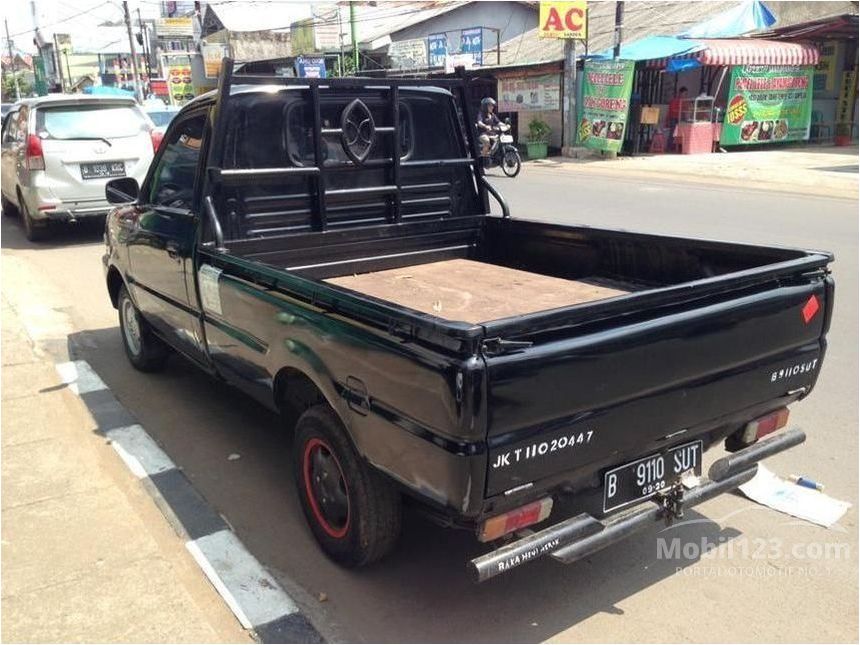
(325, 488)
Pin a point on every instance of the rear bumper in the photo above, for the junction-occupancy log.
(582, 535)
(43, 206)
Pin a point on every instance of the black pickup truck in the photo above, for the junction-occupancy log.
(327, 246)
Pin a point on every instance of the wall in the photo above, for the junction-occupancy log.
(512, 18)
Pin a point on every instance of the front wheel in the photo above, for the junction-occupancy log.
(145, 352)
(353, 512)
(511, 163)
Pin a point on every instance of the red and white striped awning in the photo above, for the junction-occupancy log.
(743, 51)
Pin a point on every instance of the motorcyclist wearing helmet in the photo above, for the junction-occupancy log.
(487, 121)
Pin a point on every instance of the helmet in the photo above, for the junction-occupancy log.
(488, 101)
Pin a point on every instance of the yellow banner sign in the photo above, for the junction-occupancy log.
(563, 19)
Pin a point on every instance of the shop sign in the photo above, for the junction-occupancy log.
(452, 61)
(472, 44)
(40, 83)
(181, 26)
(310, 67)
(533, 93)
(563, 20)
(179, 84)
(847, 96)
(212, 57)
(605, 103)
(768, 103)
(825, 71)
(408, 54)
(438, 46)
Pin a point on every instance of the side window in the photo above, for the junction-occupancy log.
(173, 181)
(10, 127)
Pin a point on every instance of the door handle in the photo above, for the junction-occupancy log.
(173, 250)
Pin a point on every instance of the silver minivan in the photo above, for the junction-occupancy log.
(59, 152)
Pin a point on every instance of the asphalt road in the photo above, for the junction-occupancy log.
(773, 578)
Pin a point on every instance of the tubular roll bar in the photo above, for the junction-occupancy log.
(218, 176)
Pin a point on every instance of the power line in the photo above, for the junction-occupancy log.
(59, 22)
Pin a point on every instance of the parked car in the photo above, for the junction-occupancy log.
(327, 247)
(4, 109)
(58, 152)
(161, 115)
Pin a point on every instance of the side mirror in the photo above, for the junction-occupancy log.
(122, 190)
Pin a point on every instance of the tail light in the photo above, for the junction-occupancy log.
(35, 159)
(156, 139)
(765, 425)
(496, 527)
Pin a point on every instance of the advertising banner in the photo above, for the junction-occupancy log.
(605, 103)
(825, 71)
(438, 46)
(212, 57)
(40, 83)
(534, 93)
(768, 103)
(563, 20)
(179, 84)
(310, 67)
(471, 42)
(408, 54)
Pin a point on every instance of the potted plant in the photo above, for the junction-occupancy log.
(537, 139)
(843, 134)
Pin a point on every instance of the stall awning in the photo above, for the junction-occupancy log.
(742, 51)
(653, 47)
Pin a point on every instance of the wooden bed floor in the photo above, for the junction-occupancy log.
(472, 292)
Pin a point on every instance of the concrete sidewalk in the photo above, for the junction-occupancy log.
(828, 171)
(86, 555)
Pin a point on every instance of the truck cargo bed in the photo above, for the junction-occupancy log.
(473, 291)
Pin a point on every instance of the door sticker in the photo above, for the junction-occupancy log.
(210, 297)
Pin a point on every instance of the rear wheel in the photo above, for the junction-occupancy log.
(511, 163)
(145, 352)
(353, 512)
(33, 231)
(9, 209)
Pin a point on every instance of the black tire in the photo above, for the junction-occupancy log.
(9, 209)
(144, 350)
(33, 231)
(370, 526)
(511, 163)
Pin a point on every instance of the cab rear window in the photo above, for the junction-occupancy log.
(89, 121)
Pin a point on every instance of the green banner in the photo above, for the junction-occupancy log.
(768, 103)
(605, 102)
(40, 84)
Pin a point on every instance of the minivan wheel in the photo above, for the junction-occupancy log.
(33, 231)
(9, 209)
(352, 510)
(145, 352)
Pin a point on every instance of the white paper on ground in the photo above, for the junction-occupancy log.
(785, 496)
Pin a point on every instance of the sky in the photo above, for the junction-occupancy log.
(70, 16)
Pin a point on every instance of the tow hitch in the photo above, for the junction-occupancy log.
(580, 536)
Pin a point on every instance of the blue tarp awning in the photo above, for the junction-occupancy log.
(107, 90)
(747, 17)
(654, 47)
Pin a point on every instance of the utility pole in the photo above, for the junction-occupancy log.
(569, 98)
(352, 34)
(137, 90)
(144, 42)
(619, 18)
(59, 64)
(12, 62)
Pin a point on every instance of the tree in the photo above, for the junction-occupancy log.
(8, 87)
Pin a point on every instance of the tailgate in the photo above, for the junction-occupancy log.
(611, 392)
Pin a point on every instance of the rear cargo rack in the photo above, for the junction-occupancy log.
(354, 130)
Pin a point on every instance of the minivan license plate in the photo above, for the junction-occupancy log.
(102, 170)
(645, 477)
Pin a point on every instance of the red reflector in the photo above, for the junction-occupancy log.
(46, 208)
(496, 527)
(765, 425)
(810, 309)
(156, 137)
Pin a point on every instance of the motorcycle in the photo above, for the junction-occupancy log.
(503, 152)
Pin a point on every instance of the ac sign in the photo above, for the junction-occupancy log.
(563, 19)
